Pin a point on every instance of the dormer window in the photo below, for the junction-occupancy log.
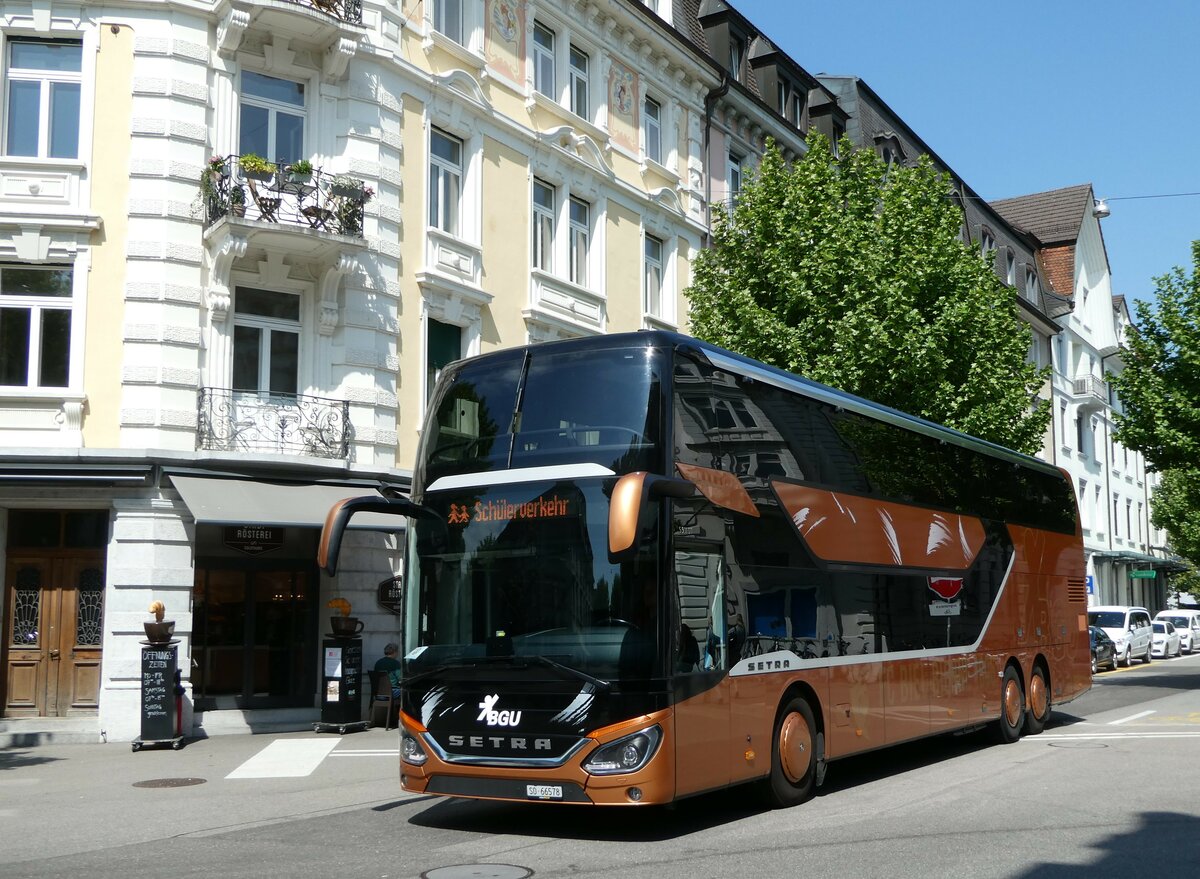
(987, 244)
(737, 55)
(790, 100)
(1033, 287)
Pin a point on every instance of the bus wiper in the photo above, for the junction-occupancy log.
(598, 683)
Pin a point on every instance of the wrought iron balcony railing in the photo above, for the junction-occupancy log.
(287, 424)
(1090, 386)
(349, 11)
(241, 186)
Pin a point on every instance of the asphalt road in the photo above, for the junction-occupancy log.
(1098, 794)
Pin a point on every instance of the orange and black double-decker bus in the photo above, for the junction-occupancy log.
(639, 567)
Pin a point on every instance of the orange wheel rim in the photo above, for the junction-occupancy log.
(795, 747)
(1012, 703)
(1038, 696)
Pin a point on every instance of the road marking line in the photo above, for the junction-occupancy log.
(293, 758)
(1129, 718)
(1144, 735)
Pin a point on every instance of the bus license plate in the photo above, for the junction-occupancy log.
(543, 791)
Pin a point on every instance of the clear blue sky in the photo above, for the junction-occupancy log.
(1023, 96)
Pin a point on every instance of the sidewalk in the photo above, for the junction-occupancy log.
(108, 795)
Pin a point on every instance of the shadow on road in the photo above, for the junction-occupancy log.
(1127, 854)
(656, 823)
(10, 759)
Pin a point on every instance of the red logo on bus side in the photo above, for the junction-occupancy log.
(947, 588)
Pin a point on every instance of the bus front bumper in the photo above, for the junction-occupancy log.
(569, 782)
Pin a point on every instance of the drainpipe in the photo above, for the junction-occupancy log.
(710, 103)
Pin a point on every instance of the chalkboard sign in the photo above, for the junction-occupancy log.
(158, 692)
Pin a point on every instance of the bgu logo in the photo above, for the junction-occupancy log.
(492, 717)
(946, 588)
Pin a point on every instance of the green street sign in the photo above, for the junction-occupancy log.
(1142, 575)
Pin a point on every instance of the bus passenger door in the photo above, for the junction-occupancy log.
(702, 659)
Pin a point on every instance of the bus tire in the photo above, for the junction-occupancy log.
(1012, 707)
(793, 755)
(1038, 711)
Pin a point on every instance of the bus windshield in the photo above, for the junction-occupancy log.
(529, 409)
(520, 572)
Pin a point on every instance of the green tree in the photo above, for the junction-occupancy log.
(1174, 510)
(855, 275)
(1160, 385)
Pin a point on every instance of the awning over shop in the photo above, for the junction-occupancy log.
(247, 502)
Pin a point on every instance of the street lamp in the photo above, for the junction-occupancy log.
(1100, 209)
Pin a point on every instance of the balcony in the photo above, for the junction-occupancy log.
(1089, 391)
(333, 27)
(263, 192)
(283, 424)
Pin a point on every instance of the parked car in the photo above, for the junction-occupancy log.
(1187, 623)
(1129, 627)
(1165, 642)
(1104, 651)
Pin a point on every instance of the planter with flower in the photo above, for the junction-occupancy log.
(255, 167)
(159, 631)
(341, 623)
(345, 186)
(214, 187)
(300, 172)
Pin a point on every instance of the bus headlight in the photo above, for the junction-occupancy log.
(411, 750)
(626, 754)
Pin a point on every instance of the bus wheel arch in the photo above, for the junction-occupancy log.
(1012, 704)
(1038, 697)
(797, 749)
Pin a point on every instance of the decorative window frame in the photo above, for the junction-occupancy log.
(567, 38)
(309, 79)
(452, 304)
(470, 51)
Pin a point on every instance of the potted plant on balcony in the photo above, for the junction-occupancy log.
(212, 184)
(237, 200)
(349, 210)
(345, 186)
(300, 171)
(255, 167)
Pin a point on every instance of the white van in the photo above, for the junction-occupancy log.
(1187, 623)
(1129, 627)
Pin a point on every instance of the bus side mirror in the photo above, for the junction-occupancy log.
(340, 514)
(631, 513)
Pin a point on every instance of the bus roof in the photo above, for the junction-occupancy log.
(738, 363)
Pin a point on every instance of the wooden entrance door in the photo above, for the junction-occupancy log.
(54, 607)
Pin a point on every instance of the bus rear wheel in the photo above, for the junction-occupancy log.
(793, 755)
(1039, 702)
(1012, 707)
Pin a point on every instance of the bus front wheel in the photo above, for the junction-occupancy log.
(1012, 707)
(793, 755)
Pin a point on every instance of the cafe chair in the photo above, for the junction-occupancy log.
(382, 699)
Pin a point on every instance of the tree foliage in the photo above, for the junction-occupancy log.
(1175, 506)
(855, 275)
(1159, 389)
(1160, 385)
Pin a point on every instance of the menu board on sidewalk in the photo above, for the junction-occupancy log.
(158, 692)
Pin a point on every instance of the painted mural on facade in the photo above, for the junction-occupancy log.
(504, 43)
(623, 108)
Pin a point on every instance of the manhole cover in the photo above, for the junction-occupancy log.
(169, 782)
(478, 871)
